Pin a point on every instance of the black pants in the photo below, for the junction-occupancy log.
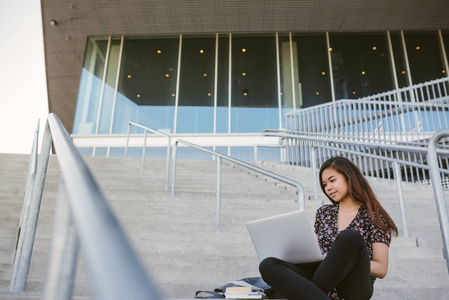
(346, 268)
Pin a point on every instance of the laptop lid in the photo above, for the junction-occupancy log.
(289, 237)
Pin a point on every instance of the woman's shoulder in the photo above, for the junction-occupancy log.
(327, 208)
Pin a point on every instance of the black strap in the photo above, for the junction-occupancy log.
(212, 295)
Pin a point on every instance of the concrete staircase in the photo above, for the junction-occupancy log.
(176, 237)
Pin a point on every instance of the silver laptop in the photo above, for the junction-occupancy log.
(289, 237)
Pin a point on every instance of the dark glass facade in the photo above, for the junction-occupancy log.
(242, 83)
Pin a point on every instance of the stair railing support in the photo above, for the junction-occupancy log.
(146, 129)
(218, 193)
(26, 239)
(220, 157)
(438, 190)
(31, 176)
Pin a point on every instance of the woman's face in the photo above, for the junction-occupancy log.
(335, 185)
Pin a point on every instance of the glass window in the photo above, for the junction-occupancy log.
(424, 56)
(196, 86)
(147, 84)
(399, 59)
(254, 84)
(360, 64)
(85, 121)
(107, 100)
(223, 84)
(311, 65)
(287, 102)
(445, 35)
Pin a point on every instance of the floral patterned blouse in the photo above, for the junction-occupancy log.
(327, 230)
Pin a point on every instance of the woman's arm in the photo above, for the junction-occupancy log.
(379, 264)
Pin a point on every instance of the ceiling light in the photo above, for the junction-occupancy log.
(245, 94)
(205, 75)
(138, 95)
(167, 75)
(330, 49)
(403, 72)
(243, 50)
(444, 71)
(201, 51)
(209, 94)
(129, 76)
(353, 92)
(317, 93)
(363, 72)
(323, 73)
(243, 74)
(418, 48)
(374, 48)
(159, 51)
(172, 95)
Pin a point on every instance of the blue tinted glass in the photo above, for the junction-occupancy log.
(196, 86)
(223, 85)
(147, 84)
(399, 59)
(107, 101)
(85, 120)
(424, 56)
(254, 83)
(361, 65)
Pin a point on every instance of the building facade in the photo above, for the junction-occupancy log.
(230, 67)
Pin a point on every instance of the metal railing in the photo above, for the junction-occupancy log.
(405, 123)
(299, 146)
(427, 91)
(438, 190)
(221, 157)
(83, 216)
(384, 124)
(146, 129)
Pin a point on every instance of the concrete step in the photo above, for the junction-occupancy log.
(176, 238)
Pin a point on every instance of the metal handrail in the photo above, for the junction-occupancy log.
(347, 137)
(432, 87)
(27, 215)
(117, 275)
(220, 157)
(348, 141)
(167, 176)
(31, 175)
(438, 190)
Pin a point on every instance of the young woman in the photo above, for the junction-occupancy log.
(354, 234)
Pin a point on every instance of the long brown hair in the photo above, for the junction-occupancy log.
(361, 191)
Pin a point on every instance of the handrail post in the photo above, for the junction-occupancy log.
(127, 139)
(398, 177)
(60, 276)
(218, 193)
(167, 175)
(31, 177)
(175, 158)
(314, 169)
(301, 197)
(438, 190)
(144, 149)
(26, 238)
